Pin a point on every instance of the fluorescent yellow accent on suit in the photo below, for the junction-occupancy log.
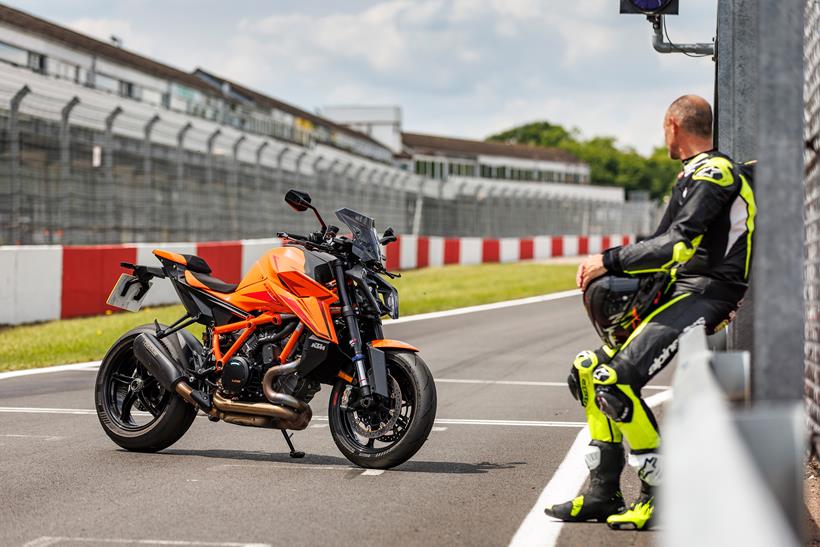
(601, 428)
(637, 516)
(682, 252)
(714, 166)
(751, 209)
(640, 432)
(649, 317)
(577, 504)
(610, 352)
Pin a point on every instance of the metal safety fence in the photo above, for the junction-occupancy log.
(812, 216)
(95, 168)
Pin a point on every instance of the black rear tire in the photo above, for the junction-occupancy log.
(169, 417)
(400, 444)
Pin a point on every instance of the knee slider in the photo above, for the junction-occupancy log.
(587, 359)
(614, 403)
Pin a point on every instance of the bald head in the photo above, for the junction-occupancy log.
(688, 126)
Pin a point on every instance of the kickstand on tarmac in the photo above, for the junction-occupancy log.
(293, 452)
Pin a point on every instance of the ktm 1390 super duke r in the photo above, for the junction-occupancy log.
(306, 314)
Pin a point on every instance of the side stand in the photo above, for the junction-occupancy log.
(293, 452)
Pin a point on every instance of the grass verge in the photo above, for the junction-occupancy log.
(432, 289)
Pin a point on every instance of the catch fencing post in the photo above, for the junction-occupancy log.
(14, 152)
(259, 221)
(175, 189)
(417, 211)
(233, 193)
(213, 211)
(61, 210)
(111, 193)
(152, 215)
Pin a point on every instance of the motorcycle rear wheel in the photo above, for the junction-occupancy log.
(134, 410)
(407, 432)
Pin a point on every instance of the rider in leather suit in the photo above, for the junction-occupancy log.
(704, 243)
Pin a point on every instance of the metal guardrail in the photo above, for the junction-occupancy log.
(733, 470)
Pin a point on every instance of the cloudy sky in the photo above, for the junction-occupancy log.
(457, 67)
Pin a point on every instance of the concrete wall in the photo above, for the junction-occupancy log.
(41, 283)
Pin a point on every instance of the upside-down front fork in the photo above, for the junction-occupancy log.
(355, 335)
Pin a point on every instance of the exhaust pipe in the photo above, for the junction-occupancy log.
(158, 360)
(261, 414)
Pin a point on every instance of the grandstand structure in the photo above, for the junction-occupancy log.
(101, 145)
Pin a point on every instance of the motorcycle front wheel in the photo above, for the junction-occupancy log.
(391, 434)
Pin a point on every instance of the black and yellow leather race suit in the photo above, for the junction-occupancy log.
(704, 242)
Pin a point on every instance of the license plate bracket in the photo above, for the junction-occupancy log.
(128, 293)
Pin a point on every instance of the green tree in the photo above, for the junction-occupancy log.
(609, 164)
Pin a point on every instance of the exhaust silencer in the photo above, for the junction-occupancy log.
(158, 360)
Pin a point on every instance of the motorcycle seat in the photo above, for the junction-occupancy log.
(205, 281)
(192, 262)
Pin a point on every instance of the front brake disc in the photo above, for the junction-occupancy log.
(386, 418)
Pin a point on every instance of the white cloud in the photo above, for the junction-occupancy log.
(459, 67)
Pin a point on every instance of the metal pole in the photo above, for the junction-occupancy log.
(115, 224)
(61, 209)
(778, 357)
(233, 192)
(417, 212)
(259, 218)
(212, 210)
(16, 182)
(148, 177)
(176, 189)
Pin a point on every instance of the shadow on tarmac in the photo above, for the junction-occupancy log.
(315, 459)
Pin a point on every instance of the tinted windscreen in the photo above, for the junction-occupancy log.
(365, 241)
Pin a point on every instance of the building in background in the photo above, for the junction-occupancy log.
(74, 58)
(444, 157)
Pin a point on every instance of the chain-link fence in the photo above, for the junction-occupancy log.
(812, 213)
(99, 170)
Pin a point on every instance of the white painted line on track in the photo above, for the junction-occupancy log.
(518, 383)
(43, 437)
(91, 365)
(439, 429)
(49, 540)
(439, 421)
(46, 370)
(31, 410)
(372, 472)
(539, 530)
(485, 307)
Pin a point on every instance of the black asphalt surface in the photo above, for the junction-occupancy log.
(63, 482)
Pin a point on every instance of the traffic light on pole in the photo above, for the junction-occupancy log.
(650, 7)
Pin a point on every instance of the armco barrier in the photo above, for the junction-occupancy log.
(40, 283)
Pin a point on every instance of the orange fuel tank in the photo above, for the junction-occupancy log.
(289, 279)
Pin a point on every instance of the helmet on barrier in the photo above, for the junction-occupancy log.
(617, 305)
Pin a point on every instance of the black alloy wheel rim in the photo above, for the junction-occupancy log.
(402, 425)
(133, 398)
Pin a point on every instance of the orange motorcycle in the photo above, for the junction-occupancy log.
(306, 314)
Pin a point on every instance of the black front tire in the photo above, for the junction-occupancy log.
(418, 389)
(170, 417)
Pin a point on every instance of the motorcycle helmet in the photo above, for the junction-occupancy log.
(617, 305)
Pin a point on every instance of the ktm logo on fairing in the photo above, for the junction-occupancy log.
(317, 345)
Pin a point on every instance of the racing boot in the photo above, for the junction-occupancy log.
(602, 497)
(640, 515)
